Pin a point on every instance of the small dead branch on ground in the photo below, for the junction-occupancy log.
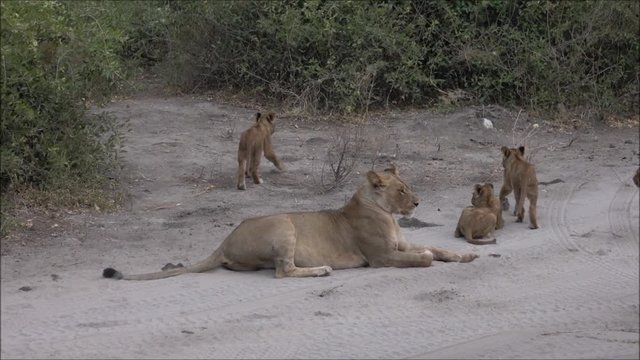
(229, 132)
(341, 159)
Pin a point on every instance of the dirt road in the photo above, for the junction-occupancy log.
(567, 290)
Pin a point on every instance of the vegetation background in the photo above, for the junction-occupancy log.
(59, 59)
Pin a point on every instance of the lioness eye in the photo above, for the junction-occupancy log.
(402, 191)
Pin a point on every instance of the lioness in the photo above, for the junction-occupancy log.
(481, 219)
(253, 142)
(519, 177)
(362, 233)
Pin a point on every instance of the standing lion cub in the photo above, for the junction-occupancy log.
(481, 219)
(253, 142)
(519, 177)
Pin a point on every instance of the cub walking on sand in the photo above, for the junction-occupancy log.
(519, 177)
(253, 142)
(481, 219)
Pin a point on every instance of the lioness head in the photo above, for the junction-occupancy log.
(482, 195)
(391, 193)
(267, 120)
(511, 154)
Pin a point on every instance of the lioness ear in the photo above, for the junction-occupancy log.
(258, 116)
(505, 151)
(521, 149)
(271, 116)
(375, 180)
(393, 169)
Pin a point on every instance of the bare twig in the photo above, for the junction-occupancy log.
(341, 159)
(513, 130)
(570, 142)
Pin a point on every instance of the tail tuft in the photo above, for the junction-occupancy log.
(111, 273)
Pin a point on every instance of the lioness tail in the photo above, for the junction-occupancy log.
(209, 263)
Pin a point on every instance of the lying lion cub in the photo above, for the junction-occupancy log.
(483, 197)
(362, 233)
(481, 219)
(519, 177)
(253, 142)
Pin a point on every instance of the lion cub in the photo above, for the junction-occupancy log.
(481, 219)
(253, 142)
(483, 197)
(519, 177)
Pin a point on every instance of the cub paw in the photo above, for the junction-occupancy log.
(505, 204)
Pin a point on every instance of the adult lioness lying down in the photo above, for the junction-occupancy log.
(361, 233)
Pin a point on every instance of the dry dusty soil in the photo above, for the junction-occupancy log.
(566, 290)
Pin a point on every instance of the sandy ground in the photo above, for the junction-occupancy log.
(566, 290)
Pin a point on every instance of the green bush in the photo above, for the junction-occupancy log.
(56, 57)
(349, 55)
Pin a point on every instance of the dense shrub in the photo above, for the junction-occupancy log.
(347, 55)
(56, 57)
(60, 56)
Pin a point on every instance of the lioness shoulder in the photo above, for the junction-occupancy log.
(253, 143)
(519, 177)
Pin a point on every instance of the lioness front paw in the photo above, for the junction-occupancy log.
(468, 257)
(242, 187)
(324, 271)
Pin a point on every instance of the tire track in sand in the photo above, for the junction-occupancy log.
(559, 223)
(620, 221)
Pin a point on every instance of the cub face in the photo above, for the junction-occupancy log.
(510, 155)
(267, 119)
(482, 195)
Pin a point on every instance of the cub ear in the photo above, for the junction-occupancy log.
(271, 116)
(375, 180)
(393, 169)
(521, 149)
(258, 115)
(477, 187)
(490, 185)
(505, 151)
